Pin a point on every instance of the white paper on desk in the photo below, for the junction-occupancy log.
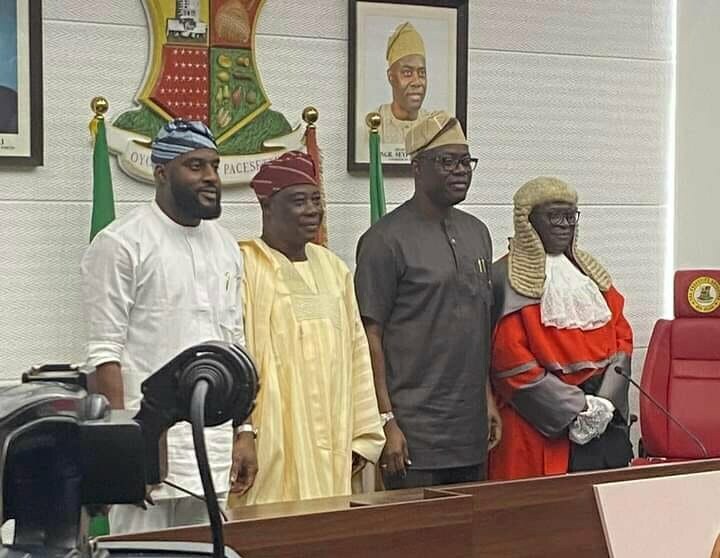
(665, 517)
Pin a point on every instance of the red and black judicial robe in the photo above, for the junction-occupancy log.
(536, 373)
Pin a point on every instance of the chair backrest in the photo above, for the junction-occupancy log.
(682, 371)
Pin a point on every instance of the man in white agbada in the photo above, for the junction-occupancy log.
(157, 281)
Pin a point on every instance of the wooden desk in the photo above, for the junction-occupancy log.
(385, 525)
(553, 516)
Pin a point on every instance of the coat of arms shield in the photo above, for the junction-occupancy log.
(202, 67)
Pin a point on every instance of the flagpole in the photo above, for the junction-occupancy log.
(310, 116)
(373, 120)
(103, 205)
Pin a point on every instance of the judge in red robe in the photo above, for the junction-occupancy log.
(560, 335)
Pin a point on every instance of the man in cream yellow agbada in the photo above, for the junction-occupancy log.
(317, 417)
(407, 75)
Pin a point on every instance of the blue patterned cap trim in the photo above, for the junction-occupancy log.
(178, 137)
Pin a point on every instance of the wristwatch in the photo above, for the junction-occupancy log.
(386, 417)
(246, 428)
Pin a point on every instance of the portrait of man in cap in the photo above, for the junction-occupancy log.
(405, 62)
(407, 76)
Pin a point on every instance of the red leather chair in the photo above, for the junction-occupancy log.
(682, 371)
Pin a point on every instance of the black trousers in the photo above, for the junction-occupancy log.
(416, 478)
(611, 450)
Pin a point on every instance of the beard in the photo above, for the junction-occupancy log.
(189, 203)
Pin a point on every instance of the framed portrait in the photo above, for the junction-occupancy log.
(406, 58)
(21, 94)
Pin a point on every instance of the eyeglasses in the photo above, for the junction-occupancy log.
(450, 164)
(559, 217)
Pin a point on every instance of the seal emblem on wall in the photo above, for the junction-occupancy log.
(202, 66)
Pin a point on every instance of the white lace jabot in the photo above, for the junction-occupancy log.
(571, 300)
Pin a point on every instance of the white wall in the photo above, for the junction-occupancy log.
(697, 176)
(574, 88)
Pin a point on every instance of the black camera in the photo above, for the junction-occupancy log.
(64, 451)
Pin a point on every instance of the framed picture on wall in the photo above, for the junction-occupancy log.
(21, 94)
(406, 58)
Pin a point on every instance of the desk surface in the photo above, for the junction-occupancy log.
(409, 523)
(552, 516)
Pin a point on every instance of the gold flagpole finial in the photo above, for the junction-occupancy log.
(310, 115)
(373, 121)
(100, 106)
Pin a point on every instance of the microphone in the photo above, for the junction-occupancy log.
(619, 370)
(206, 385)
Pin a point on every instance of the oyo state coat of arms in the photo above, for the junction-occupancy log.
(202, 67)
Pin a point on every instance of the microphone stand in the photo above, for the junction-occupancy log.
(197, 414)
(706, 455)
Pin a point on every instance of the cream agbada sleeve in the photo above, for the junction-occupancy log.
(368, 435)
